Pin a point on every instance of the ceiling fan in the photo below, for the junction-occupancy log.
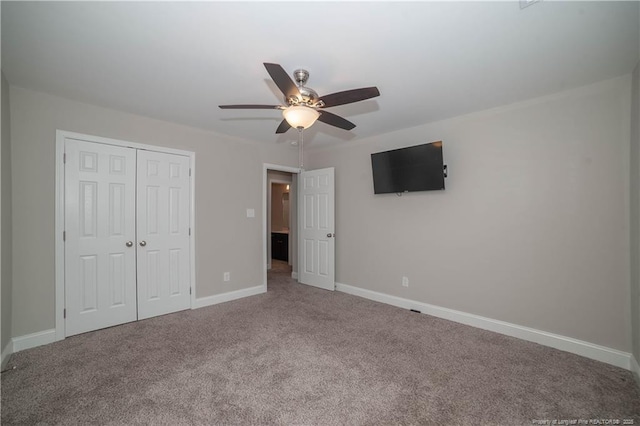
(303, 105)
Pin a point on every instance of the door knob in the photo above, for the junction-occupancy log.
(129, 243)
(143, 243)
(329, 235)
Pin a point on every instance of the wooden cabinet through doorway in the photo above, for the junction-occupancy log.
(280, 246)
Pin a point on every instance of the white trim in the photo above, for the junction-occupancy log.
(294, 275)
(59, 242)
(6, 354)
(32, 340)
(635, 369)
(579, 347)
(227, 297)
(61, 136)
(118, 142)
(265, 168)
(192, 226)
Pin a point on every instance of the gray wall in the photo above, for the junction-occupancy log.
(5, 226)
(228, 180)
(533, 228)
(635, 213)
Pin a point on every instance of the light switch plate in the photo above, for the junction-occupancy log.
(251, 213)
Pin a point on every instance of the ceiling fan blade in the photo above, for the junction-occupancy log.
(283, 81)
(349, 96)
(283, 127)
(335, 120)
(250, 106)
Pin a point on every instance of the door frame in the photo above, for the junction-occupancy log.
(61, 136)
(265, 182)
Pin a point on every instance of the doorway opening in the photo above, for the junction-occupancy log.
(311, 229)
(280, 229)
(280, 221)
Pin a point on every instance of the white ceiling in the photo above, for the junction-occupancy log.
(178, 61)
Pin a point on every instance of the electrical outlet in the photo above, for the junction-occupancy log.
(405, 282)
(227, 276)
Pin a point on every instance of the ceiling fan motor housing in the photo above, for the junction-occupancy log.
(309, 96)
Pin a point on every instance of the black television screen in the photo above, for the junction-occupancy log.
(415, 168)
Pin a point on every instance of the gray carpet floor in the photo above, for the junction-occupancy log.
(304, 356)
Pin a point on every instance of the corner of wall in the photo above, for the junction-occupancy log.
(7, 351)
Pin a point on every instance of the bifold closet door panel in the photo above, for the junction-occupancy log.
(100, 231)
(163, 201)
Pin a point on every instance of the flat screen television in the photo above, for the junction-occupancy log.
(415, 168)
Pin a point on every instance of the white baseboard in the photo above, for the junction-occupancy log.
(590, 350)
(29, 341)
(229, 296)
(294, 275)
(635, 369)
(6, 354)
(579, 347)
(34, 339)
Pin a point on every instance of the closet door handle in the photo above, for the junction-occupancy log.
(143, 243)
(129, 243)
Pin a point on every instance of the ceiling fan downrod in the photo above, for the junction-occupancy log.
(301, 148)
(301, 76)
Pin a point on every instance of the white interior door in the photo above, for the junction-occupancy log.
(100, 256)
(316, 248)
(163, 233)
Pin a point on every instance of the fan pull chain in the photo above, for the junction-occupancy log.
(300, 148)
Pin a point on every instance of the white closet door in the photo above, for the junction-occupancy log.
(316, 222)
(163, 233)
(100, 255)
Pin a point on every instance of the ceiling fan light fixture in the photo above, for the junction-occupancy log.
(300, 116)
(302, 105)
